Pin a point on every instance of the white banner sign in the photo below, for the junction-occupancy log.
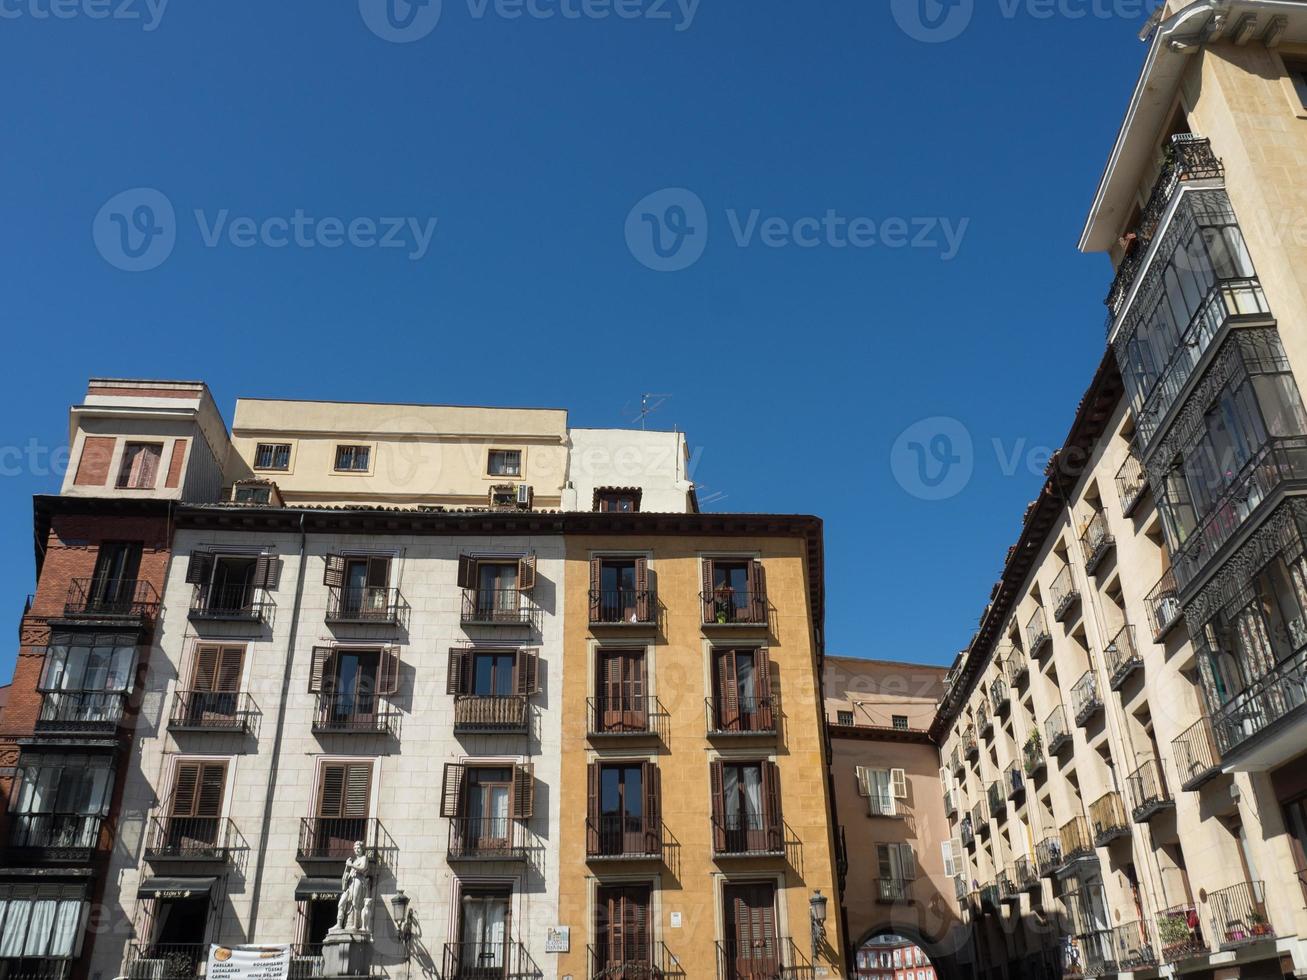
(249, 962)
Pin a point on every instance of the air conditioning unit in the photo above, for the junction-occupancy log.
(256, 493)
(503, 495)
(525, 495)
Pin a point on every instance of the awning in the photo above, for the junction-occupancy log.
(176, 887)
(309, 889)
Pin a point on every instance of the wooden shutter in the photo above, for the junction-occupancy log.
(653, 806)
(899, 783)
(198, 789)
(331, 789)
(596, 598)
(642, 605)
(333, 571)
(358, 789)
(227, 671)
(199, 567)
(708, 590)
(267, 572)
(205, 675)
(757, 592)
(459, 678)
(863, 777)
(467, 572)
(592, 808)
(526, 669)
(955, 846)
(322, 670)
(388, 671)
(907, 862)
(526, 573)
(523, 791)
(950, 868)
(454, 789)
(728, 695)
(762, 693)
(186, 780)
(773, 816)
(718, 782)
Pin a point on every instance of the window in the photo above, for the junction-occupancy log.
(228, 585)
(195, 807)
(85, 676)
(487, 673)
(349, 682)
(504, 462)
(624, 809)
(486, 802)
(483, 931)
(742, 695)
(353, 459)
(59, 801)
(901, 722)
(752, 945)
(883, 788)
(41, 921)
(494, 586)
(140, 465)
(623, 935)
(248, 494)
(113, 584)
(1298, 76)
(213, 698)
(276, 456)
(612, 501)
(360, 586)
(619, 590)
(734, 591)
(746, 808)
(844, 718)
(620, 687)
(343, 804)
(951, 860)
(897, 867)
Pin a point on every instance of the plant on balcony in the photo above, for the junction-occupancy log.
(1258, 925)
(1034, 741)
(1174, 930)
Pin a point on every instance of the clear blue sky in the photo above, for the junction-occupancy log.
(530, 140)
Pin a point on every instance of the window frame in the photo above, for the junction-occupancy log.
(353, 447)
(274, 446)
(489, 472)
(124, 466)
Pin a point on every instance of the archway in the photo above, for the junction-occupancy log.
(897, 951)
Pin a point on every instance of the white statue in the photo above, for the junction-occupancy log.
(355, 897)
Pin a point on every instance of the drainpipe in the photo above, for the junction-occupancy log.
(273, 769)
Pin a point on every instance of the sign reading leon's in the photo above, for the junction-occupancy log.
(249, 962)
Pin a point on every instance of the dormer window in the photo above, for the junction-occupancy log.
(140, 465)
(614, 500)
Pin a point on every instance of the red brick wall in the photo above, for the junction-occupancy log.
(175, 464)
(93, 467)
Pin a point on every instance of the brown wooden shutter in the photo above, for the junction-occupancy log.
(459, 678)
(708, 590)
(453, 790)
(321, 672)
(642, 606)
(227, 675)
(592, 808)
(388, 671)
(728, 692)
(527, 670)
(358, 789)
(771, 801)
(378, 575)
(523, 791)
(205, 675)
(718, 781)
(765, 718)
(757, 592)
(467, 572)
(199, 567)
(198, 789)
(267, 572)
(333, 571)
(526, 573)
(331, 790)
(653, 806)
(596, 599)
(186, 781)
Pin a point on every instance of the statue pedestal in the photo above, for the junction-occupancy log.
(347, 953)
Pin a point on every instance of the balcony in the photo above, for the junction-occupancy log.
(1096, 945)
(1032, 753)
(1048, 856)
(960, 890)
(55, 836)
(1096, 541)
(1007, 888)
(331, 839)
(1017, 665)
(112, 601)
(364, 715)
(970, 747)
(496, 607)
(1163, 606)
(997, 798)
(967, 831)
(989, 898)
(1108, 817)
(747, 834)
(1025, 875)
(1076, 844)
(980, 817)
(1037, 635)
(81, 712)
(1122, 657)
(644, 962)
(1195, 757)
(166, 961)
(205, 840)
(1131, 483)
(231, 604)
(778, 959)
(1238, 915)
(1056, 730)
(1064, 593)
(1132, 948)
(366, 605)
(1180, 934)
(741, 716)
(622, 607)
(487, 839)
(956, 763)
(622, 837)
(212, 711)
(1188, 157)
(733, 608)
(1148, 794)
(505, 959)
(950, 803)
(984, 720)
(1263, 725)
(491, 714)
(999, 697)
(1015, 782)
(1085, 700)
(892, 891)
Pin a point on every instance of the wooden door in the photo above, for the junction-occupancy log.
(215, 684)
(622, 687)
(752, 946)
(195, 812)
(344, 794)
(623, 946)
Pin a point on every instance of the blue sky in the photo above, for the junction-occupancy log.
(857, 229)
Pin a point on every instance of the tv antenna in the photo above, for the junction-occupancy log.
(650, 402)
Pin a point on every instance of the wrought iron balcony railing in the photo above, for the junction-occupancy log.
(1014, 781)
(487, 839)
(890, 891)
(1100, 956)
(1194, 752)
(81, 712)
(166, 961)
(1132, 947)
(747, 834)
(742, 715)
(1096, 541)
(361, 715)
(733, 608)
(212, 711)
(1131, 483)
(491, 714)
(967, 831)
(237, 604)
(1122, 656)
(1148, 793)
(1037, 635)
(623, 837)
(331, 839)
(504, 959)
(1056, 730)
(999, 696)
(1267, 700)
(1025, 875)
(1108, 817)
(989, 897)
(190, 839)
(633, 960)
(1076, 843)
(984, 720)
(497, 607)
(997, 798)
(1007, 887)
(366, 604)
(970, 746)
(956, 763)
(1085, 699)
(111, 599)
(980, 817)
(1238, 915)
(1163, 606)
(1180, 934)
(1017, 665)
(57, 836)
(1064, 592)
(1032, 753)
(621, 607)
(1048, 856)
(773, 959)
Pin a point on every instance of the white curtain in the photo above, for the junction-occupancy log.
(882, 791)
(14, 934)
(753, 795)
(731, 790)
(42, 924)
(744, 681)
(499, 811)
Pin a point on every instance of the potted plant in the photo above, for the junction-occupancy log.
(1174, 930)
(1258, 925)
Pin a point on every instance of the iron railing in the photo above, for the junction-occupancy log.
(1014, 781)
(497, 607)
(1064, 593)
(1037, 634)
(984, 720)
(490, 714)
(1032, 753)
(732, 608)
(332, 838)
(1017, 665)
(1048, 856)
(232, 603)
(1095, 541)
(999, 696)
(1025, 875)
(629, 959)
(970, 746)
(212, 711)
(1180, 934)
(1007, 887)
(772, 959)
(621, 607)
(505, 959)
(1131, 483)
(113, 598)
(1122, 657)
(166, 961)
(1132, 947)
(967, 831)
(1267, 700)
(1100, 956)
(745, 834)
(359, 715)
(70, 835)
(1056, 729)
(620, 835)
(367, 604)
(1108, 817)
(190, 839)
(980, 816)
(997, 798)
(749, 715)
(487, 839)
(1075, 841)
(891, 890)
(989, 897)
(305, 961)
(1148, 793)
(1238, 915)
(1194, 752)
(1085, 699)
(1163, 605)
(81, 711)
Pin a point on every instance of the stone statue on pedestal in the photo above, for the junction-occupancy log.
(355, 894)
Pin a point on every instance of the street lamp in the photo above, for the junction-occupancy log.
(817, 913)
(403, 916)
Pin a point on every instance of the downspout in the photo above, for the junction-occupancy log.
(268, 792)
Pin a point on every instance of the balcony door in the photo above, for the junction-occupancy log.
(746, 807)
(177, 930)
(622, 676)
(195, 809)
(494, 673)
(742, 680)
(619, 590)
(752, 945)
(483, 935)
(215, 684)
(497, 593)
(365, 592)
(113, 585)
(344, 799)
(623, 944)
(624, 808)
(354, 684)
(488, 807)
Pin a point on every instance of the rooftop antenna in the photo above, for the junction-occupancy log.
(650, 402)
